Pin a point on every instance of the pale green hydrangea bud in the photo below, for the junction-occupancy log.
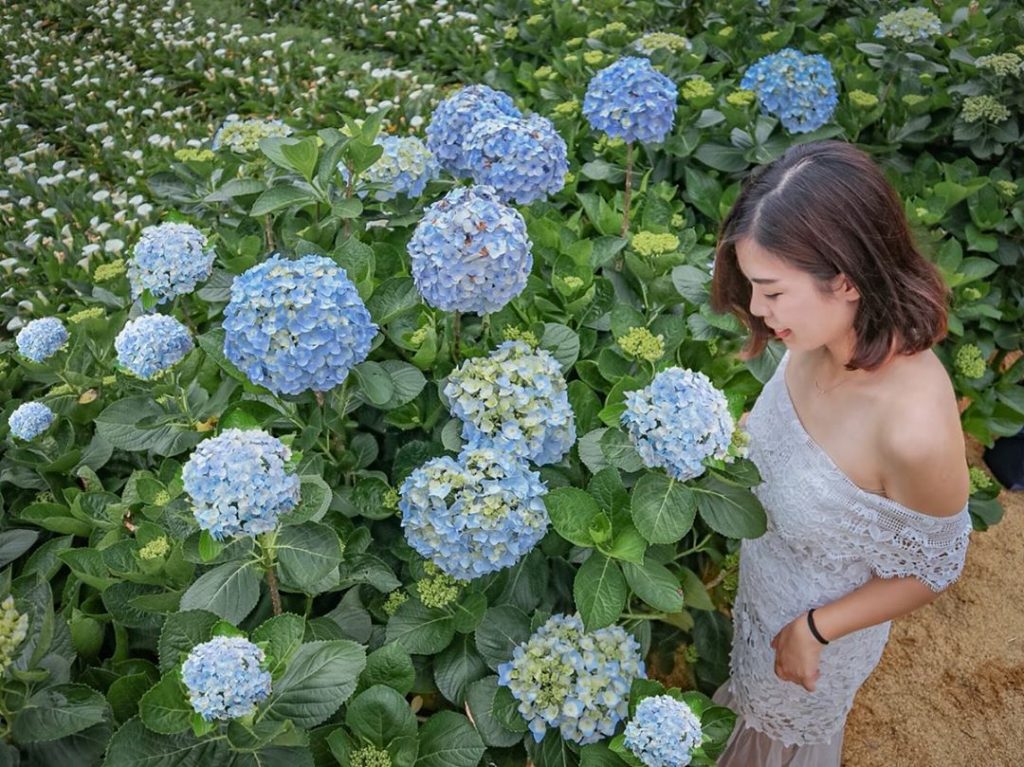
(395, 599)
(986, 107)
(863, 99)
(690, 654)
(390, 499)
(111, 271)
(913, 99)
(370, 756)
(58, 391)
(979, 479)
(741, 98)
(572, 282)
(971, 293)
(13, 630)
(1007, 188)
(543, 73)
(767, 37)
(438, 589)
(969, 361)
(155, 549)
(1001, 64)
(569, 108)
(511, 333)
(92, 313)
(697, 88)
(593, 57)
(642, 344)
(196, 155)
(651, 244)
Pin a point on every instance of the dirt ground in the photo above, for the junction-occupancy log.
(950, 687)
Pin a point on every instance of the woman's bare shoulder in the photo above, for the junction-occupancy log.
(919, 437)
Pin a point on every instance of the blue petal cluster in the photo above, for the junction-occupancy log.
(470, 252)
(523, 159)
(42, 338)
(151, 344)
(225, 678)
(575, 681)
(456, 115)
(678, 421)
(631, 100)
(663, 732)
(514, 400)
(406, 167)
(169, 260)
(475, 515)
(240, 483)
(296, 325)
(30, 420)
(800, 90)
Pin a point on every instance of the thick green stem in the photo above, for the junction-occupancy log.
(267, 541)
(627, 195)
(456, 335)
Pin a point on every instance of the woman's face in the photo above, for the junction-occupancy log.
(791, 302)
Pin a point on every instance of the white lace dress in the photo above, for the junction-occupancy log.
(826, 537)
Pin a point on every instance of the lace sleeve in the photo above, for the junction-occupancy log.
(906, 542)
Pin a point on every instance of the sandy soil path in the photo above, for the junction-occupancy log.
(950, 687)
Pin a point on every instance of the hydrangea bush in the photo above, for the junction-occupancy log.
(572, 680)
(240, 483)
(225, 678)
(470, 252)
(296, 325)
(432, 494)
(474, 515)
(514, 400)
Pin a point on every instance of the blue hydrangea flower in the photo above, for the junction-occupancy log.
(30, 420)
(296, 325)
(911, 25)
(663, 732)
(225, 678)
(406, 167)
(514, 400)
(456, 115)
(800, 90)
(631, 100)
(475, 515)
(151, 344)
(42, 338)
(240, 483)
(169, 260)
(678, 421)
(244, 135)
(574, 681)
(470, 252)
(523, 159)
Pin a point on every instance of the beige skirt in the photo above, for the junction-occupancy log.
(752, 748)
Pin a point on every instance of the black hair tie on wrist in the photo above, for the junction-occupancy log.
(814, 630)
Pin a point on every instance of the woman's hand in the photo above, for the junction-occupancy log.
(797, 654)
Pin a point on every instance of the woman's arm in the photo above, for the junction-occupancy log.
(877, 601)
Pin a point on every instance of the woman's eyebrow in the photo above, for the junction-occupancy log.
(762, 280)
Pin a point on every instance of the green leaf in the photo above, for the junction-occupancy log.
(230, 591)
(618, 449)
(236, 187)
(458, 666)
(572, 513)
(374, 382)
(390, 665)
(421, 630)
(562, 342)
(165, 709)
(301, 156)
(730, 509)
(314, 501)
(392, 298)
(655, 585)
(663, 508)
(379, 715)
(181, 632)
(58, 711)
(600, 591)
(502, 628)
(348, 207)
(307, 554)
(279, 197)
(319, 678)
(283, 636)
(695, 593)
(449, 740)
(627, 545)
(119, 425)
(480, 701)
(135, 746)
(14, 543)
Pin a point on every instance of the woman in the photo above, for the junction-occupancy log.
(857, 437)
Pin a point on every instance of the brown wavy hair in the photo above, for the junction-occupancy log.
(826, 208)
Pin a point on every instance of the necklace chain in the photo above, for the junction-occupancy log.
(831, 388)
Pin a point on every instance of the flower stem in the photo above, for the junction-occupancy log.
(267, 541)
(627, 196)
(275, 595)
(456, 335)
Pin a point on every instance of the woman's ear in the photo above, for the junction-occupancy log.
(844, 289)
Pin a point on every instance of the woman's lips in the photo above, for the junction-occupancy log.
(785, 333)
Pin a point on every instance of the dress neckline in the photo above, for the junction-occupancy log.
(833, 466)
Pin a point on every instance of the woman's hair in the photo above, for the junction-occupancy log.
(826, 208)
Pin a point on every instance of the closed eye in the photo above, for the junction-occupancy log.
(772, 295)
